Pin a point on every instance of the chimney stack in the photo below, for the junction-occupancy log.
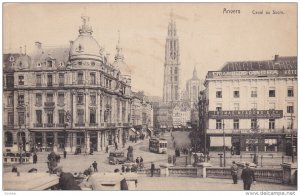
(276, 57)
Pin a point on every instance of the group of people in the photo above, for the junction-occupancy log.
(247, 175)
(140, 162)
(91, 169)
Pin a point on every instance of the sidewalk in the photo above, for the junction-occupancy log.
(203, 184)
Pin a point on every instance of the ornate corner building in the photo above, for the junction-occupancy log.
(66, 98)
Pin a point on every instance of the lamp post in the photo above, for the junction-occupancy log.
(224, 147)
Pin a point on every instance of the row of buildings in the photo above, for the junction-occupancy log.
(70, 98)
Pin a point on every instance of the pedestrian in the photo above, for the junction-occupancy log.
(123, 169)
(124, 185)
(106, 149)
(66, 180)
(95, 166)
(137, 160)
(234, 172)
(116, 146)
(152, 169)
(141, 162)
(14, 169)
(248, 177)
(34, 157)
(65, 154)
(90, 169)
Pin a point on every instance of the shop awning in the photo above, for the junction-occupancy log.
(150, 131)
(134, 131)
(218, 141)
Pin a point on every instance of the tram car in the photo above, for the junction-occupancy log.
(158, 145)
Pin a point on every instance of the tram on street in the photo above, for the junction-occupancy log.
(158, 145)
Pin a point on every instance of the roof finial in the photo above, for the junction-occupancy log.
(85, 28)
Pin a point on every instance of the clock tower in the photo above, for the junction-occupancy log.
(171, 87)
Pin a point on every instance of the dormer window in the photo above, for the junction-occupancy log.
(49, 64)
(79, 63)
(39, 65)
(93, 63)
(11, 58)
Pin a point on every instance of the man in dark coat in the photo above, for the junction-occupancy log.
(152, 169)
(65, 154)
(248, 177)
(34, 157)
(234, 171)
(66, 181)
(95, 166)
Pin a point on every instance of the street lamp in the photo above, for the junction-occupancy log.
(224, 148)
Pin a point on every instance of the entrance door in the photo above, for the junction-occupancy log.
(22, 141)
(80, 140)
(50, 140)
(93, 140)
(61, 141)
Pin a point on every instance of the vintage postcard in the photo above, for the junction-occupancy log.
(150, 96)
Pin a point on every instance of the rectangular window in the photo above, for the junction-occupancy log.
(272, 93)
(21, 80)
(236, 106)
(175, 71)
(236, 124)
(39, 117)
(61, 116)
(219, 94)
(80, 117)
(271, 123)
(93, 99)
(93, 78)
(290, 109)
(61, 98)
(21, 100)
(38, 99)
(171, 70)
(10, 81)
(21, 116)
(10, 100)
(80, 78)
(218, 124)
(253, 123)
(10, 119)
(80, 98)
(61, 79)
(254, 92)
(49, 80)
(219, 108)
(271, 145)
(290, 92)
(92, 116)
(38, 79)
(49, 97)
(50, 117)
(171, 78)
(175, 78)
(236, 94)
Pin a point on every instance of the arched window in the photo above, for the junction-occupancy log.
(8, 139)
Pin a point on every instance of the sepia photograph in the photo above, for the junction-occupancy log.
(150, 97)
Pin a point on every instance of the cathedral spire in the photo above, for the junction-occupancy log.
(119, 55)
(195, 73)
(85, 27)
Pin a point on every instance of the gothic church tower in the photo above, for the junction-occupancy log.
(171, 87)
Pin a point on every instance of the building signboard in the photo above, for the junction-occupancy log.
(245, 114)
(256, 73)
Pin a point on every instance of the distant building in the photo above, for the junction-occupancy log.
(257, 103)
(193, 87)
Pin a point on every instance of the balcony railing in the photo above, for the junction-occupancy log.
(93, 124)
(60, 125)
(120, 124)
(48, 125)
(248, 131)
(38, 125)
(49, 104)
(61, 84)
(111, 124)
(79, 124)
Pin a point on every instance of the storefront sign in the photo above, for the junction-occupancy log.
(256, 73)
(245, 114)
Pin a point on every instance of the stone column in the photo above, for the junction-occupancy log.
(55, 141)
(201, 169)
(99, 142)
(289, 173)
(68, 142)
(73, 146)
(44, 140)
(87, 142)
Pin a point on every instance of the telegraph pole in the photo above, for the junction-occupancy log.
(292, 132)
(224, 148)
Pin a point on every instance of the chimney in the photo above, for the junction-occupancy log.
(276, 57)
(71, 43)
(38, 45)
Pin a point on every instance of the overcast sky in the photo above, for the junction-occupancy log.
(207, 37)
